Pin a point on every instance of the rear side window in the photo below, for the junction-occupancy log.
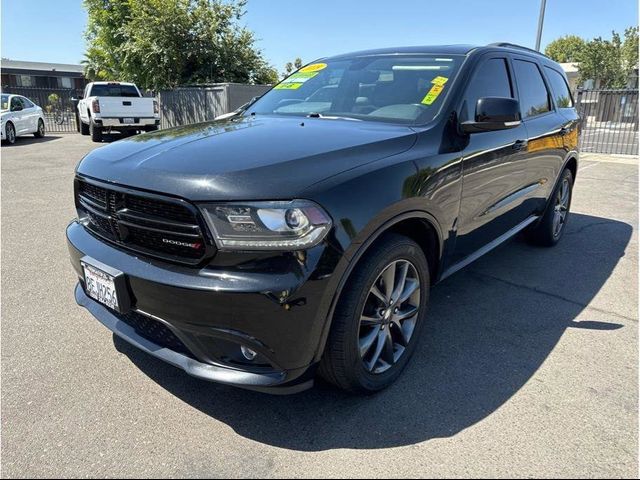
(114, 91)
(560, 89)
(491, 79)
(27, 103)
(534, 97)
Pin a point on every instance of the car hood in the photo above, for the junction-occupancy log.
(262, 157)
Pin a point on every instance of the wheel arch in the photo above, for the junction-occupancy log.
(420, 226)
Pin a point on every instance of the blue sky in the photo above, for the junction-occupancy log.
(45, 30)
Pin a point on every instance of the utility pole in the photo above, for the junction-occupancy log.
(543, 4)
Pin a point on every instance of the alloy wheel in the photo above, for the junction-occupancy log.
(389, 316)
(561, 207)
(11, 134)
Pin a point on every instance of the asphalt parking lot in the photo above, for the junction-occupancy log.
(528, 367)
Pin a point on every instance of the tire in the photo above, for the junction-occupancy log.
(343, 364)
(84, 128)
(40, 132)
(550, 229)
(10, 133)
(96, 132)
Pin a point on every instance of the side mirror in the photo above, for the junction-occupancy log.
(494, 113)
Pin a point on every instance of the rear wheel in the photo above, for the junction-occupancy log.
(40, 132)
(96, 132)
(84, 128)
(10, 133)
(379, 317)
(551, 227)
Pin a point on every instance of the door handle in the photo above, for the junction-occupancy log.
(520, 145)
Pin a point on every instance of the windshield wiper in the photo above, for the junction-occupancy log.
(331, 117)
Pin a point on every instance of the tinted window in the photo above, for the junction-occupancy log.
(386, 88)
(114, 91)
(491, 79)
(5, 102)
(26, 102)
(16, 102)
(560, 88)
(534, 98)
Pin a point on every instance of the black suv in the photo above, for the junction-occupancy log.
(302, 234)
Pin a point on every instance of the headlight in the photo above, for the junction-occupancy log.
(294, 225)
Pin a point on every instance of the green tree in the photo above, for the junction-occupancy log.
(565, 49)
(601, 60)
(165, 43)
(629, 51)
(290, 67)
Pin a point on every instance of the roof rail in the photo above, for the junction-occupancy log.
(513, 45)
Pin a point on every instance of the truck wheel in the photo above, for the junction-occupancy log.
(96, 132)
(84, 128)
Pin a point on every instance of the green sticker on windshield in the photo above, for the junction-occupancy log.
(288, 86)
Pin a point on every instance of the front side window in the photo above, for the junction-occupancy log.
(560, 89)
(405, 89)
(534, 97)
(16, 102)
(491, 79)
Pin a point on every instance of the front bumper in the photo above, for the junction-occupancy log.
(275, 311)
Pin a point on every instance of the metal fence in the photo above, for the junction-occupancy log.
(609, 121)
(59, 110)
(184, 106)
(181, 106)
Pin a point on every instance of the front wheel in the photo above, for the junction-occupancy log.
(10, 133)
(549, 230)
(39, 133)
(379, 316)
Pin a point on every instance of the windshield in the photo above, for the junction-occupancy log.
(114, 91)
(390, 88)
(5, 102)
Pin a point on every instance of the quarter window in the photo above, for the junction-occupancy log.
(491, 79)
(560, 89)
(534, 97)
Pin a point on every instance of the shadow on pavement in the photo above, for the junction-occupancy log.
(490, 328)
(28, 140)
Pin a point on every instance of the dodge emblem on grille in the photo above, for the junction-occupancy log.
(182, 244)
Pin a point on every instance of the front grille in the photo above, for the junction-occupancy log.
(168, 229)
(154, 331)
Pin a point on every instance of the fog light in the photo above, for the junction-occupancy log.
(248, 353)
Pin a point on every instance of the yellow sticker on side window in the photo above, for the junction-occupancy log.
(440, 81)
(314, 67)
(432, 95)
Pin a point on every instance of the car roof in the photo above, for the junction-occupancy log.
(113, 83)
(461, 49)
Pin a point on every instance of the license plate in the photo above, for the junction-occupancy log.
(128, 120)
(101, 286)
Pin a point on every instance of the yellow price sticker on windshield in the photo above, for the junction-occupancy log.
(314, 67)
(288, 86)
(432, 95)
(440, 81)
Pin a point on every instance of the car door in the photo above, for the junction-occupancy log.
(546, 129)
(492, 164)
(30, 115)
(18, 115)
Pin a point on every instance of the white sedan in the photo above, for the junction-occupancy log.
(20, 116)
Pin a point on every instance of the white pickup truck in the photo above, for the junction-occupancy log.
(118, 106)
